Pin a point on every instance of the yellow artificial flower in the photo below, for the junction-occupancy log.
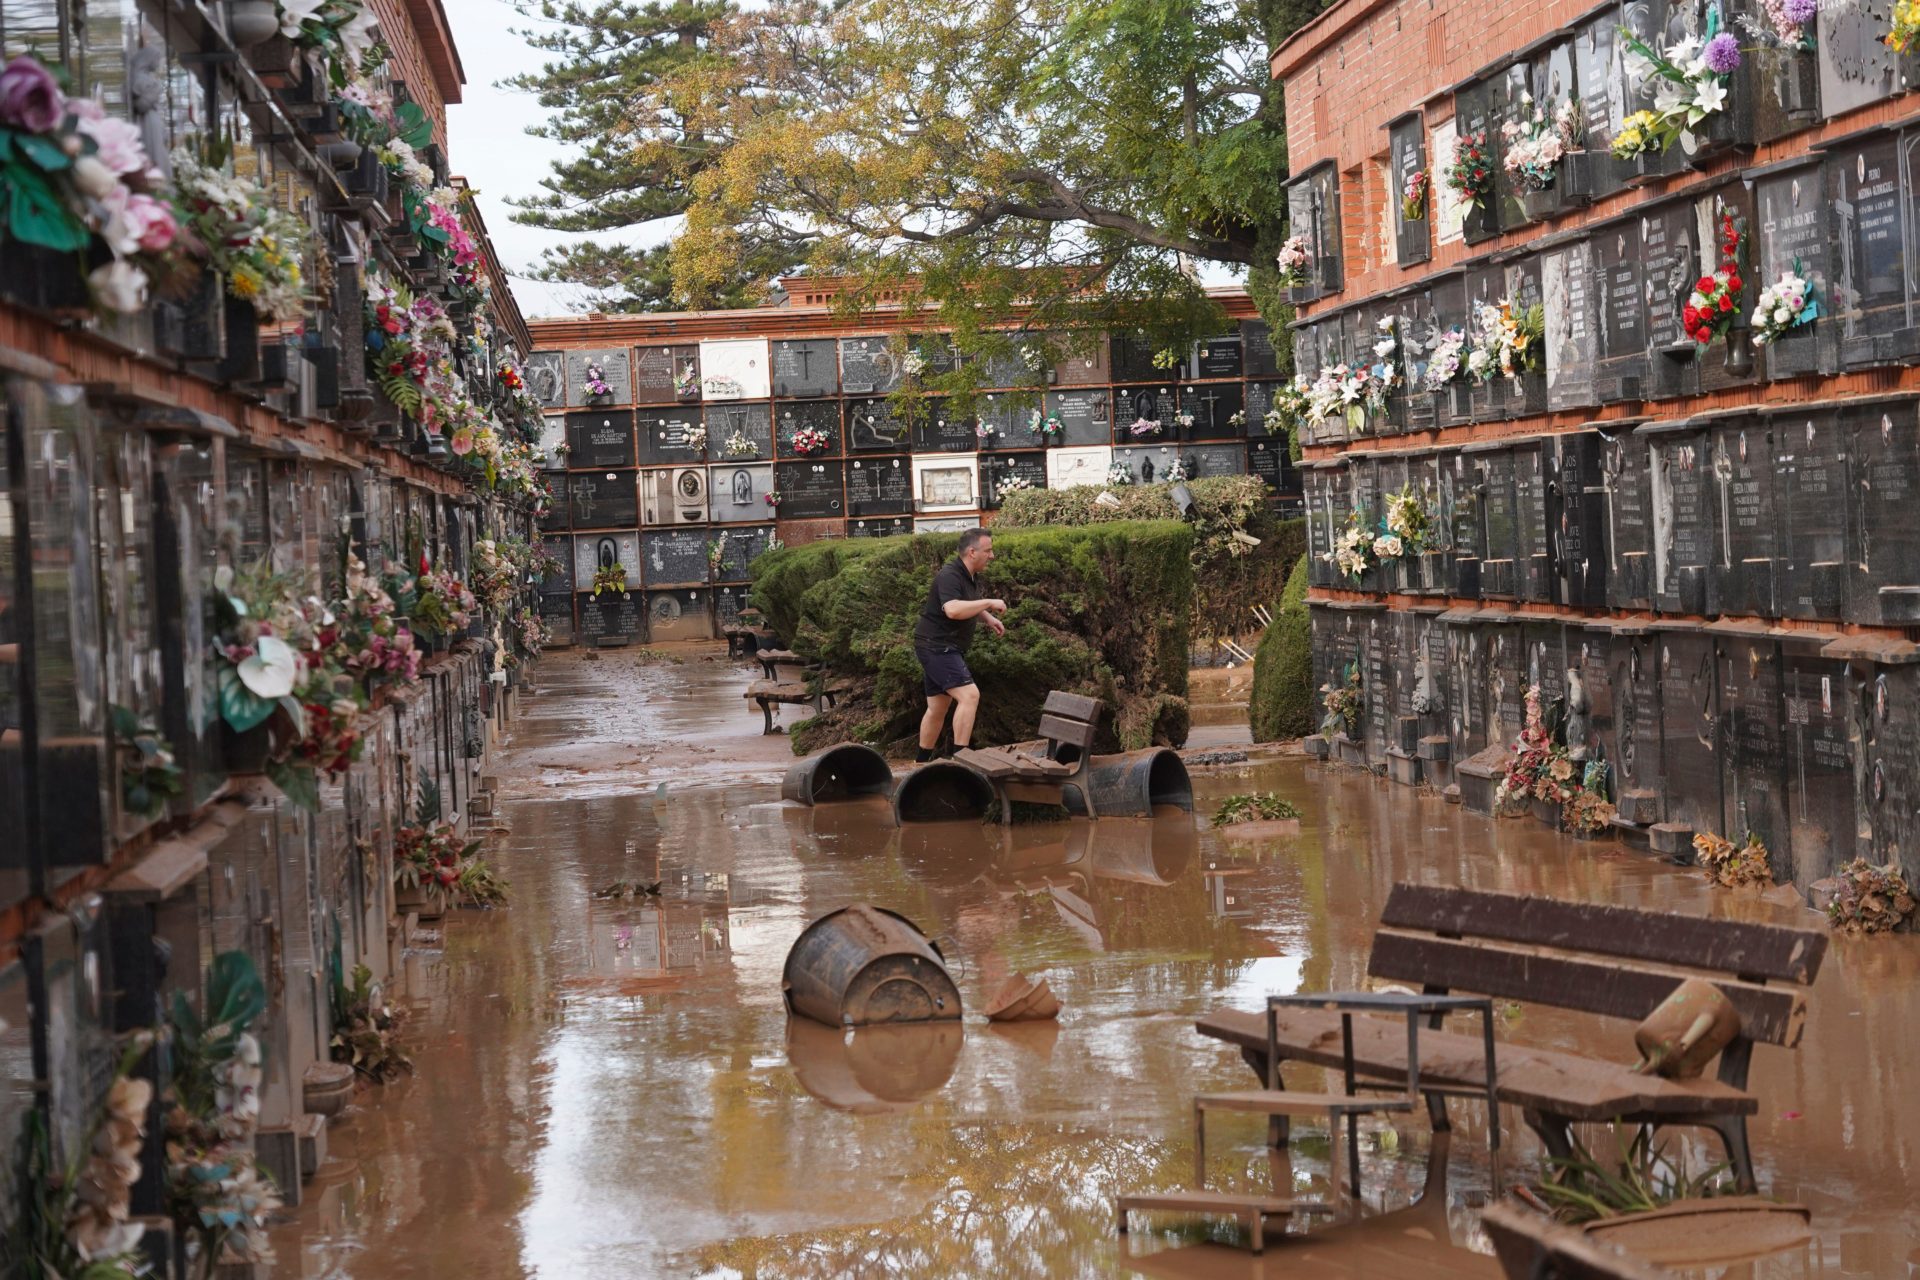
(245, 283)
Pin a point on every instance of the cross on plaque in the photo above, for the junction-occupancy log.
(1723, 476)
(806, 362)
(1209, 400)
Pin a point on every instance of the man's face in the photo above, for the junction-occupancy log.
(979, 556)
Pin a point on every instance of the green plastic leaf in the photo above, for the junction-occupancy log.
(6, 145)
(298, 784)
(126, 725)
(36, 214)
(235, 994)
(44, 152)
(416, 128)
(240, 706)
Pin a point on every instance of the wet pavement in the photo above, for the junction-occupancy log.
(612, 1089)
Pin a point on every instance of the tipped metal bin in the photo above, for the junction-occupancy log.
(843, 772)
(862, 965)
(1132, 785)
(942, 791)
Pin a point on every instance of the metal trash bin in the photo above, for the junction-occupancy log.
(843, 772)
(1132, 785)
(942, 791)
(862, 965)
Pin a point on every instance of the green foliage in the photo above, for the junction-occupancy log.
(1097, 610)
(366, 1032)
(982, 163)
(1229, 577)
(149, 774)
(1256, 806)
(1581, 1187)
(235, 997)
(1282, 702)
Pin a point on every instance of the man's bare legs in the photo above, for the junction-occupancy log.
(938, 705)
(966, 704)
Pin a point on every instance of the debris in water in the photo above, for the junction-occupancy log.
(864, 964)
(1023, 999)
(627, 890)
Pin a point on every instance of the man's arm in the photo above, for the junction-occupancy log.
(961, 610)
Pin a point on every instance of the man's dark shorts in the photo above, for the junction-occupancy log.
(944, 670)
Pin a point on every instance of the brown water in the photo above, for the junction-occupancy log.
(613, 1089)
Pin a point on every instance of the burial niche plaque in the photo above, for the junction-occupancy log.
(1683, 532)
(1001, 474)
(551, 453)
(1567, 284)
(1407, 147)
(546, 378)
(1743, 471)
(674, 557)
(600, 439)
(1222, 357)
(738, 492)
(739, 432)
(740, 546)
(805, 368)
(942, 430)
(1811, 470)
(593, 552)
(1856, 66)
(1870, 285)
(1884, 582)
(1794, 235)
(609, 367)
(1620, 372)
(1079, 368)
(1218, 410)
(611, 618)
(868, 367)
(1256, 344)
(1077, 466)
(673, 435)
(822, 416)
(604, 499)
(879, 486)
(873, 427)
(666, 374)
(809, 489)
(885, 527)
(1086, 416)
(734, 369)
(945, 483)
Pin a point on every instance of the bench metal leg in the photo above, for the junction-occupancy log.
(1199, 1147)
(1733, 1132)
(766, 709)
(1556, 1135)
(1257, 1224)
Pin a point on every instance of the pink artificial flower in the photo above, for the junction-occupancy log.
(30, 98)
(121, 147)
(462, 442)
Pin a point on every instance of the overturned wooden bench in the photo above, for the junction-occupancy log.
(1620, 962)
(1533, 1247)
(1039, 773)
(771, 693)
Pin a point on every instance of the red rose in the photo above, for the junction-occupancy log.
(1705, 285)
(1733, 284)
(1691, 315)
(1726, 303)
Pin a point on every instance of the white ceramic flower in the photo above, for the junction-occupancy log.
(120, 286)
(295, 12)
(271, 671)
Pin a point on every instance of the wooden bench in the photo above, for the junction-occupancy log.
(1617, 961)
(771, 693)
(1532, 1247)
(1068, 723)
(771, 660)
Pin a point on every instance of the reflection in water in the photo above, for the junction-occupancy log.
(872, 1069)
(589, 1104)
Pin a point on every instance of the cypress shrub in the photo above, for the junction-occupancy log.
(1282, 701)
(1097, 610)
(1229, 577)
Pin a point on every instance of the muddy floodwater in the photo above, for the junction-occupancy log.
(613, 1089)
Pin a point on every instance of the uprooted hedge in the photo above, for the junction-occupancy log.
(1100, 610)
(1282, 701)
(1229, 577)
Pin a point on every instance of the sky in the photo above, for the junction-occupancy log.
(488, 144)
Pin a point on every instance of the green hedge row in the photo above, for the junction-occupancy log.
(1100, 610)
(1229, 577)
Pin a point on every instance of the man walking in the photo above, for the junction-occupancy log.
(941, 637)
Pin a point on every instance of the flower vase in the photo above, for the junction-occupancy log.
(1527, 394)
(251, 21)
(1479, 224)
(1547, 812)
(1541, 205)
(1575, 181)
(246, 752)
(1739, 351)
